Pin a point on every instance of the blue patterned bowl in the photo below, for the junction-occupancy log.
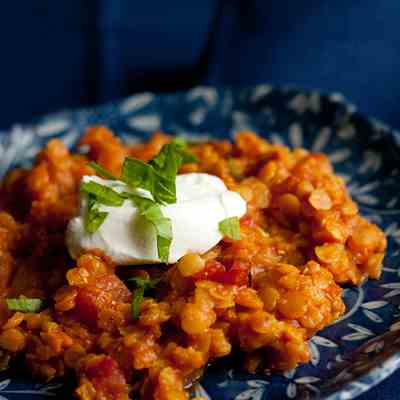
(360, 349)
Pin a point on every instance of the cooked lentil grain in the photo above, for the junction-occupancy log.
(265, 294)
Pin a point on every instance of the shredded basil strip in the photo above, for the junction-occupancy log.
(180, 144)
(158, 177)
(137, 300)
(170, 158)
(103, 194)
(142, 285)
(230, 227)
(151, 211)
(25, 305)
(138, 174)
(102, 171)
(144, 282)
(93, 218)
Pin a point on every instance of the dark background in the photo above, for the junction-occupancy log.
(58, 54)
(61, 54)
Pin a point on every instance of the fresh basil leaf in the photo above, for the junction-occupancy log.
(138, 174)
(142, 285)
(166, 164)
(152, 212)
(25, 305)
(188, 158)
(164, 228)
(103, 194)
(163, 247)
(93, 218)
(230, 227)
(167, 161)
(102, 171)
(159, 175)
(171, 157)
(163, 244)
(181, 145)
(179, 141)
(164, 190)
(142, 203)
(144, 282)
(137, 300)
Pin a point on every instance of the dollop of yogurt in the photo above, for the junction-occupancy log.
(127, 238)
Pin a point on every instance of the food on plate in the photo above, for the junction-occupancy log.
(135, 266)
(202, 201)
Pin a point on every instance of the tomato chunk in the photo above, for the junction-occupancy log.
(106, 377)
(235, 273)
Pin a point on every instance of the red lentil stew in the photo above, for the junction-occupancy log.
(263, 295)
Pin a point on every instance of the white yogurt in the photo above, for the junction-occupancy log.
(128, 239)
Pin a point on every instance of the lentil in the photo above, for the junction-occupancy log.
(267, 293)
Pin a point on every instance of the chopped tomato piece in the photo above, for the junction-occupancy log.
(235, 273)
(247, 221)
(107, 378)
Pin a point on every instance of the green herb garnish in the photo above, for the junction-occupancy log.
(137, 300)
(171, 157)
(93, 218)
(151, 211)
(138, 174)
(103, 194)
(25, 305)
(102, 171)
(230, 227)
(157, 177)
(142, 284)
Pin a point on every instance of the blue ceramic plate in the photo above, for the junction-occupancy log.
(348, 357)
